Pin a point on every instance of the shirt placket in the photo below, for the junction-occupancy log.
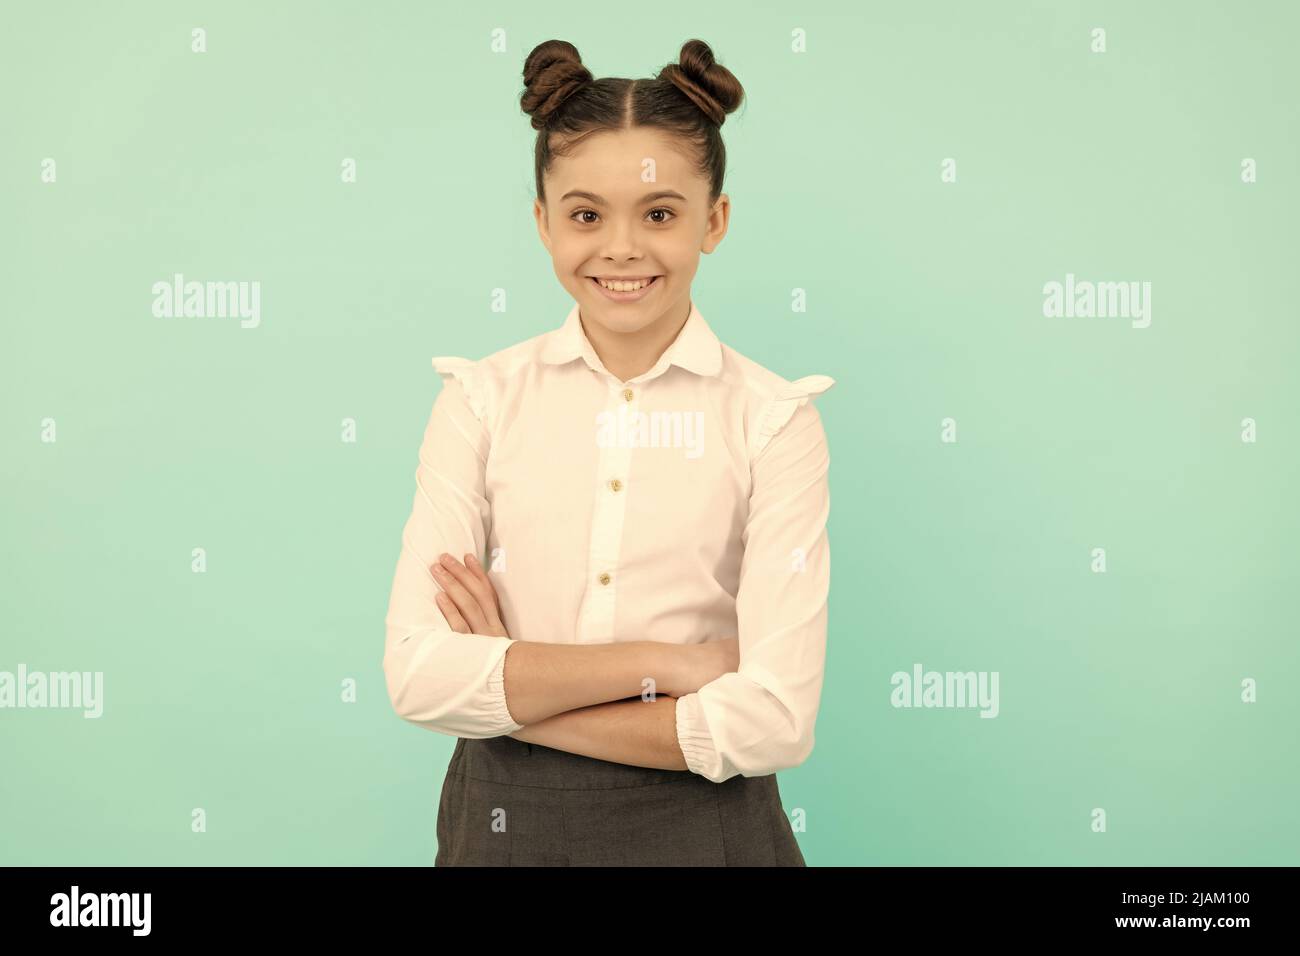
(596, 619)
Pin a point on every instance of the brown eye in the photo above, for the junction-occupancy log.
(591, 212)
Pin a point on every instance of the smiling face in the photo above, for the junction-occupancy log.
(602, 220)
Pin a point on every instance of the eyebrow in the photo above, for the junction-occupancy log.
(601, 201)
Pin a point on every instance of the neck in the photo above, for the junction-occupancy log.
(628, 354)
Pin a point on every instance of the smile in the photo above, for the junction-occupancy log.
(626, 290)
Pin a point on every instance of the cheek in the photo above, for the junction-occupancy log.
(567, 265)
(568, 258)
(679, 256)
(681, 267)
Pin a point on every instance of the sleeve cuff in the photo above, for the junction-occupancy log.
(696, 741)
(497, 694)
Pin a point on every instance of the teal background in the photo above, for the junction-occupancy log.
(1118, 690)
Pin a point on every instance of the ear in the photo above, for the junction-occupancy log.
(719, 217)
(539, 213)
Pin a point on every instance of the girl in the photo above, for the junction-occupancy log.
(645, 647)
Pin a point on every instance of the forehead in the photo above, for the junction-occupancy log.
(613, 162)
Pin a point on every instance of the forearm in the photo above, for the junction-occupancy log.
(543, 680)
(641, 733)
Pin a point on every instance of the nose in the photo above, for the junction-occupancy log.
(621, 243)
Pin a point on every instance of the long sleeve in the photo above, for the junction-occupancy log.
(438, 678)
(759, 719)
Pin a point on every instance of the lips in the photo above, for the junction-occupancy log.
(626, 296)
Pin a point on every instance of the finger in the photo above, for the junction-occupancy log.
(448, 608)
(460, 601)
(477, 585)
(476, 568)
(471, 575)
(466, 602)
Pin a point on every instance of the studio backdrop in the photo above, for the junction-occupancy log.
(1047, 251)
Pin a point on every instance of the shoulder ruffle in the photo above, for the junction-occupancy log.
(470, 376)
(780, 408)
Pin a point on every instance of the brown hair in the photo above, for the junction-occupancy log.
(690, 99)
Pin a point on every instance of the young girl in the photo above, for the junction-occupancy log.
(645, 647)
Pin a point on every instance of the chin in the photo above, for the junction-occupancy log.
(621, 325)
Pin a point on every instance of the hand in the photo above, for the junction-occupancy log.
(467, 599)
(705, 662)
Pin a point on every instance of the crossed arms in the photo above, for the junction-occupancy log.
(588, 699)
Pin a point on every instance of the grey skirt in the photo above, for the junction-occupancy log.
(508, 803)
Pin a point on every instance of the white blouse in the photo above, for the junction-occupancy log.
(686, 504)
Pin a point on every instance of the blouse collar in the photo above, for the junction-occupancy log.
(696, 347)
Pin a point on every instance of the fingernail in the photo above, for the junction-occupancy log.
(471, 560)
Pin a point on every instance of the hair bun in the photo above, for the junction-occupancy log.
(552, 73)
(710, 86)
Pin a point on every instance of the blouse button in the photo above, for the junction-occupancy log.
(627, 394)
(616, 484)
(604, 578)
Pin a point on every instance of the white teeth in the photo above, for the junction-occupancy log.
(617, 286)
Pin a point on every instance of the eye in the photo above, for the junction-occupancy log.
(591, 212)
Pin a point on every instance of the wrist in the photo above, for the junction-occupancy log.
(672, 668)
